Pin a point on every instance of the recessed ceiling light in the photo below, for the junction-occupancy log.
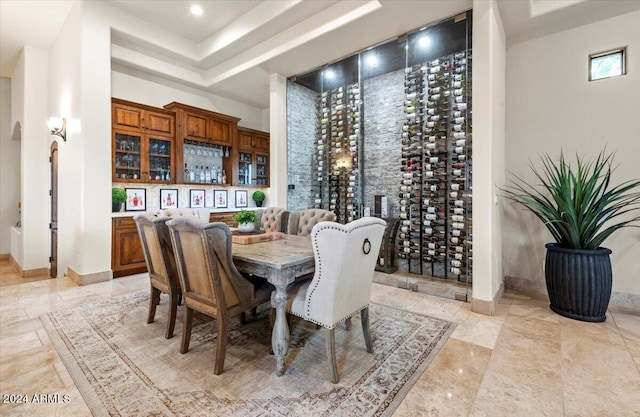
(372, 61)
(196, 10)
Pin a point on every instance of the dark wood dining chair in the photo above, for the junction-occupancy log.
(210, 282)
(161, 264)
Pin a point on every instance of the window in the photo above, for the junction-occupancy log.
(607, 64)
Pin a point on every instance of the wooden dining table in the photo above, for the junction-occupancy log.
(280, 262)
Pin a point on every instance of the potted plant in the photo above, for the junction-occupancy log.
(258, 197)
(118, 196)
(246, 220)
(581, 209)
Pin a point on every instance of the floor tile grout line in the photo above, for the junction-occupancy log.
(624, 340)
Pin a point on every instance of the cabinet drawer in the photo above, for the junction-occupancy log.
(245, 140)
(196, 126)
(261, 142)
(160, 123)
(127, 117)
(220, 133)
(124, 223)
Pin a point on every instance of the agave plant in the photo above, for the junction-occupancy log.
(579, 207)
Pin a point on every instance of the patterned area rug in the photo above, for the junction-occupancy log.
(125, 367)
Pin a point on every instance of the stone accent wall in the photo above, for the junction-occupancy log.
(301, 135)
(383, 118)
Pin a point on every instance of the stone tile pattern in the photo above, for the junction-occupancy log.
(383, 117)
(524, 361)
(301, 135)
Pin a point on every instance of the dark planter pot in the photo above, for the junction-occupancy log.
(579, 282)
(115, 207)
(258, 203)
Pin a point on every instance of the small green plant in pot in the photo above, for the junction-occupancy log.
(258, 197)
(246, 220)
(118, 196)
(581, 209)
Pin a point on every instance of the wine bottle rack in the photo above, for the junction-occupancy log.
(337, 153)
(410, 235)
(435, 194)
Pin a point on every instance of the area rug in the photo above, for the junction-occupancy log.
(125, 367)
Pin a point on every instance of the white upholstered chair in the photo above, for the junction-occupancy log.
(200, 213)
(210, 282)
(272, 219)
(345, 260)
(301, 222)
(161, 264)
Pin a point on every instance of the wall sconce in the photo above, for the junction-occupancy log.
(58, 127)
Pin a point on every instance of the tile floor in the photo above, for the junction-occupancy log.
(525, 361)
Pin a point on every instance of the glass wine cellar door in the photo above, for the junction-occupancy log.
(395, 120)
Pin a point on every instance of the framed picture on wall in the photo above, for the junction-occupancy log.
(196, 198)
(136, 199)
(242, 198)
(168, 198)
(220, 198)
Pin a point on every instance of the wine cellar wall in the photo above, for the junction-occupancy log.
(402, 130)
(435, 192)
(338, 145)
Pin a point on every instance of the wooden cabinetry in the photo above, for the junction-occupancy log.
(252, 157)
(143, 143)
(126, 250)
(127, 257)
(224, 217)
(204, 127)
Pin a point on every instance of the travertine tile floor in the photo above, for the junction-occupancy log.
(525, 361)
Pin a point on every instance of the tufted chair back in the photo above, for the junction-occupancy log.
(272, 219)
(200, 213)
(161, 264)
(302, 222)
(345, 259)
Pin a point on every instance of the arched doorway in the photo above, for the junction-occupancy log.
(53, 259)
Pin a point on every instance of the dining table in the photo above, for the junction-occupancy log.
(280, 262)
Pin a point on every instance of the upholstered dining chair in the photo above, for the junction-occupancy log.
(211, 284)
(200, 213)
(345, 260)
(273, 219)
(301, 222)
(161, 264)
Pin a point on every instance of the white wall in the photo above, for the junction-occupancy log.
(278, 140)
(139, 90)
(34, 154)
(80, 91)
(9, 169)
(95, 96)
(64, 101)
(488, 147)
(551, 106)
(17, 117)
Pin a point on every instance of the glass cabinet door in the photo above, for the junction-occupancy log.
(262, 170)
(127, 157)
(245, 168)
(160, 160)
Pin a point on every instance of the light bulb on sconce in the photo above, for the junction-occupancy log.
(343, 163)
(58, 126)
